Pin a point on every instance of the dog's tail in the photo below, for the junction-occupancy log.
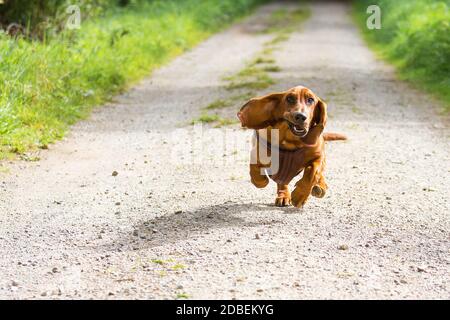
(331, 136)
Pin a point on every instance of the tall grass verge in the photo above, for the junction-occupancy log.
(45, 86)
(414, 36)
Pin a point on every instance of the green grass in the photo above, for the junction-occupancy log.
(281, 37)
(272, 69)
(158, 261)
(225, 122)
(178, 266)
(414, 37)
(206, 118)
(261, 60)
(213, 118)
(229, 102)
(261, 81)
(283, 21)
(255, 75)
(218, 104)
(47, 86)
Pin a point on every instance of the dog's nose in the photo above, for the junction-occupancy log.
(299, 116)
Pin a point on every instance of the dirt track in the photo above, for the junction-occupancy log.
(167, 229)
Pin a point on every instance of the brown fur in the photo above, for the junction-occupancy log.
(275, 111)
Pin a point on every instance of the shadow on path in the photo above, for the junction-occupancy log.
(178, 226)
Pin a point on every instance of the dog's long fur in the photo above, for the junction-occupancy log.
(282, 111)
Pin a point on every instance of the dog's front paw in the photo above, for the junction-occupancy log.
(260, 182)
(283, 199)
(298, 198)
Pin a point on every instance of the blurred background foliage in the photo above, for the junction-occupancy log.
(39, 17)
(51, 76)
(415, 36)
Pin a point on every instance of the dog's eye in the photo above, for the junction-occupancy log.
(291, 100)
(309, 101)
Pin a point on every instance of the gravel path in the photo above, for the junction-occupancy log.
(168, 227)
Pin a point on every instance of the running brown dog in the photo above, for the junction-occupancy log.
(300, 117)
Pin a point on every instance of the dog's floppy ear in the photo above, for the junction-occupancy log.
(318, 123)
(259, 113)
(320, 113)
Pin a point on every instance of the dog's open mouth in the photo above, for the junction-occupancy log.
(297, 130)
